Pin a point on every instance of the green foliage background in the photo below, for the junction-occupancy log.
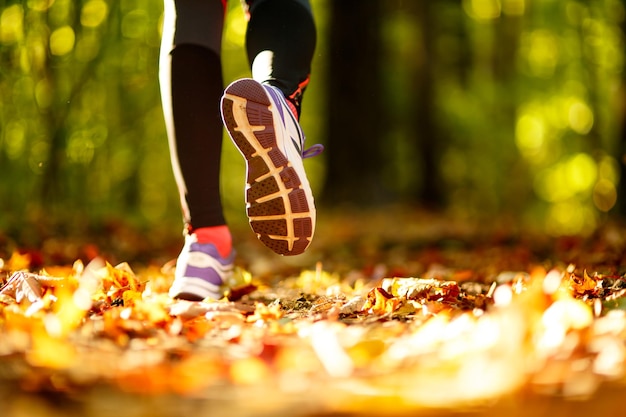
(527, 107)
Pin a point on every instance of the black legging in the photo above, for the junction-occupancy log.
(280, 42)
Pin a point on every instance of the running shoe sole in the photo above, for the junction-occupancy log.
(279, 201)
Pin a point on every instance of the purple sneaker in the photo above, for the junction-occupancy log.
(200, 271)
(279, 200)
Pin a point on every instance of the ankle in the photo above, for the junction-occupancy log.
(218, 235)
(293, 107)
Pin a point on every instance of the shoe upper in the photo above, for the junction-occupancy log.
(290, 123)
(201, 271)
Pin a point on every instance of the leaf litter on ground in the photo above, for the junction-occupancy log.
(463, 331)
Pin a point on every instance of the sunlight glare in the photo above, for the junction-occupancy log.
(52, 324)
(552, 281)
(568, 313)
(487, 332)
(503, 295)
(325, 343)
(82, 299)
(610, 359)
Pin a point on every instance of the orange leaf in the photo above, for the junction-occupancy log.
(194, 373)
(381, 302)
(582, 285)
(196, 328)
(120, 276)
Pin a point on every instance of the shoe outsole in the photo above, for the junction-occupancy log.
(277, 199)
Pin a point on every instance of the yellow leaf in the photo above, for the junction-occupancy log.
(68, 311)
(152, 312)
(57, 271)
(16, 320)
(249, 371)
(50, 352)
(265, 313)
(364, 351)
(18, 262)
(130, 297)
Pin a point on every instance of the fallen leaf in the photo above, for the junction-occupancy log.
(380, 302)
(18, 262)
(23, 286)
(583, 285)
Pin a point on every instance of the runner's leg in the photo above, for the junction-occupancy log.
(191, 87)
(261, 118)
(280, 42)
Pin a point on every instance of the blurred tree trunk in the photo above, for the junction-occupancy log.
(356, 116)
(422, 128)
(620, 206)
(512, 195)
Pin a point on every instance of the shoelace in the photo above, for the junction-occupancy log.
(313, 151)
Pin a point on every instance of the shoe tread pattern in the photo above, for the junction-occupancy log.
(277, 205)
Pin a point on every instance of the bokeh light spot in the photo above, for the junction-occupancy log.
(581, 172)
(514, 7)
(62, 41)
(543, 53)
(580, 117)
(134, 24)
(529, 134)
(93, 14)
(604, 195)
(80, 148)
(482, 9)
(12, 24)
(14, 139)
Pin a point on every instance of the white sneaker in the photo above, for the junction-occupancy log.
(200, 271)
(279, 201)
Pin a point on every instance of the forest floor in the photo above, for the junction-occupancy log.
(390, 312)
